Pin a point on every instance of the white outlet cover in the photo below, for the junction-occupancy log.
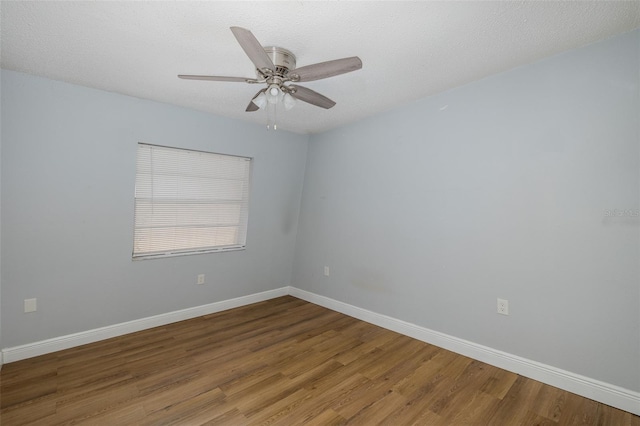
(30, 305)
(326, 271)
(201, 279)
(503, 306)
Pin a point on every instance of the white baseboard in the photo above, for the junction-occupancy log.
(605, 393)
(72, 340)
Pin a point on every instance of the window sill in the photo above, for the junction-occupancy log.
(186, 253)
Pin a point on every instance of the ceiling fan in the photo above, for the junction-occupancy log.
(276, 67)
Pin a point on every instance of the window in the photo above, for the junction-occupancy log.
(189, 202)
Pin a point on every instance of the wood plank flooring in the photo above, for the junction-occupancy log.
(284, 362)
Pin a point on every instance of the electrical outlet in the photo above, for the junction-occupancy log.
(503, 306)
(30, 305)
(326, 271)
(201, 279)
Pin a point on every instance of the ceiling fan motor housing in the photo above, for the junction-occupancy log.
(283, 59)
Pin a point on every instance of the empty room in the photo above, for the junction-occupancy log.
(320, 212)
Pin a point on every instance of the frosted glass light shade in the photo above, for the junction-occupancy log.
(260, 100)
(273, 94)
(288, 101)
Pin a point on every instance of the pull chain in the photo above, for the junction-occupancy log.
(272, 114)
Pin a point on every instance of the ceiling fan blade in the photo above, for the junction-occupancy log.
(215, 78)
(309, 96)
(253, 107)
(327, 69)
(253, 48)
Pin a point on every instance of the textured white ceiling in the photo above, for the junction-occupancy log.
(409, 50)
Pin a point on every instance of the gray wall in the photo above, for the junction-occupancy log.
(68, 169)
(430, 212)
(1, 360)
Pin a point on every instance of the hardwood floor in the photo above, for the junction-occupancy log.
(286, 362)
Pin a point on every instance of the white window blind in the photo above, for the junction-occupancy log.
(189, 202)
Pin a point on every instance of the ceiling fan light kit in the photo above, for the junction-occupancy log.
(276, 67)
